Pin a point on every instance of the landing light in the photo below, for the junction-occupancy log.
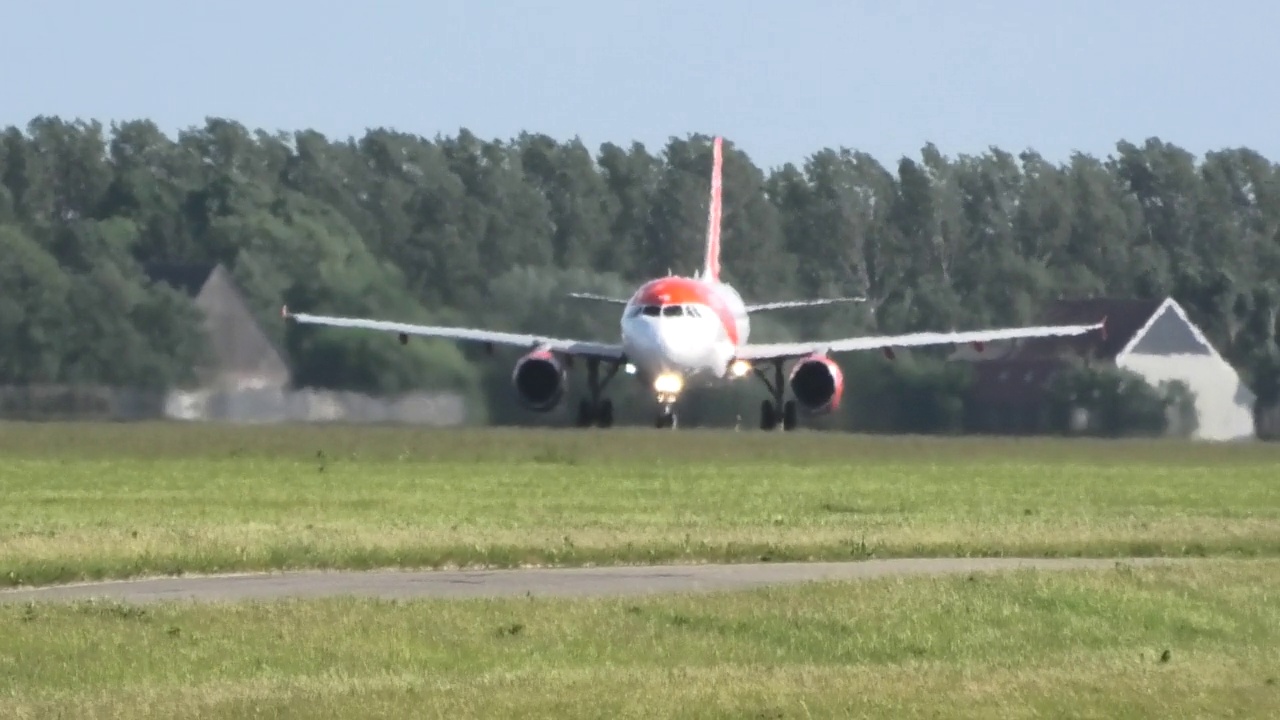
(740, 368)
(629, 369)
(668, 383)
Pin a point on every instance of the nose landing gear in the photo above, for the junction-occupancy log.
(668, 387)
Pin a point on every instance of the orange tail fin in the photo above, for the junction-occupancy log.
(711, 263)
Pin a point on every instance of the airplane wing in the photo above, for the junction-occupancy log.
(783, 351)
(606, 351)
(598, 298)
(783, 304)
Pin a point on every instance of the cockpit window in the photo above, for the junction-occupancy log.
(665, 311)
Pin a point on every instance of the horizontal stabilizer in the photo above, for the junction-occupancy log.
(784, 304)
(598, 298)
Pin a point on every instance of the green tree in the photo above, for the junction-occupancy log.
(464, 230)
(33, 311)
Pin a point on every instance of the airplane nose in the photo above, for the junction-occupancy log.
(674, 340)
(648, 334)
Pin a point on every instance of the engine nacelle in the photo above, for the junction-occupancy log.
(540, 381)
(817, 383)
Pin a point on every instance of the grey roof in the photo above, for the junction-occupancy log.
(239, 345)
(1124, 316)
(184, 277)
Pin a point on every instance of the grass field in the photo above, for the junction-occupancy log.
(93, 501)
(1196, 640)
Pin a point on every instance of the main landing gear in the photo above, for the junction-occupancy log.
(776, 411)
(594, 410)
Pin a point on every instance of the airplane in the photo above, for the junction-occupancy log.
(677, 329)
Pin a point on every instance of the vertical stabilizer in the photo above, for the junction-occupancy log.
(711, 263)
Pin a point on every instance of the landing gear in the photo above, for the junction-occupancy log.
(599, 414)
(668, 387)
(770, 417)
(594, 410)
(776, 410)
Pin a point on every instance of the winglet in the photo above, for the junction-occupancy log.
(1102, 327)
(284, 311)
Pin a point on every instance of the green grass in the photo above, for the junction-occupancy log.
(1200, 640)
(86, 501)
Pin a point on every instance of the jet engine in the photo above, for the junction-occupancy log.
(540, 380)
(817, 384)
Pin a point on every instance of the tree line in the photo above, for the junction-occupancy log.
(462, 229)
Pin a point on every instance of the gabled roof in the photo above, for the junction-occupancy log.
(1126, 318)
(188, 278)
(240, 347)
(1170, 332)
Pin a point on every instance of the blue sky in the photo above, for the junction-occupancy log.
(780, 80)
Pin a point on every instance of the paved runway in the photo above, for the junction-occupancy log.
(601, 581)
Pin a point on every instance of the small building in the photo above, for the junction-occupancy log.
(241, 356)
(244, 376)
(1152, 338)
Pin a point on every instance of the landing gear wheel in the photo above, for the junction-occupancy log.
(600, 414)
(789, 415)
(594, 410)
(775, 411)
(667, 420)
(768, 416)
(586, 414)
(604, 414)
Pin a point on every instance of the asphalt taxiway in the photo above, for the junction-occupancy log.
(539, 582)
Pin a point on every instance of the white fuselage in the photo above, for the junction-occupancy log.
(685, 327)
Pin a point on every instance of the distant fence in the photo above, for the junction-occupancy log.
(60, 402)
